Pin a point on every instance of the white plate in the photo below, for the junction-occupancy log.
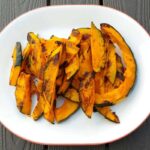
(78, 129)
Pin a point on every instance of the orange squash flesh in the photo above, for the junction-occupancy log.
(39, 108)
(108, 114)
(49, 84)
(86, 69)
(66, 110)
(87, 95)
(72, 95)
(23, 93)
(122, 91)
(97, 49)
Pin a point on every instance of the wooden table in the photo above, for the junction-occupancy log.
(138, 9)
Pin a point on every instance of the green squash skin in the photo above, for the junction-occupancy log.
(18, 56)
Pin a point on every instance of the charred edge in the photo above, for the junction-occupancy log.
(58, 43)
(51, 36)
(87, 84)
(117, 118)
(64, 64)
(20, 106)
(104, 104)
(105, 79)
(93, 75)
(29, 38)
(94, 109)
(114, 121)
(85, 36)
(85, 113)
(75, 32)
(43, 48)
(105, 25)
(109, 63)
(56, 59)
(120, 75)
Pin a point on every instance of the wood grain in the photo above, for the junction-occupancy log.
(139, 10)
(76, 148)
(10, 9)
(64, 2)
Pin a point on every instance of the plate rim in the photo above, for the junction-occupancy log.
(76, 5)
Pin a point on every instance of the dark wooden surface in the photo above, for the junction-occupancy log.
(138, 9)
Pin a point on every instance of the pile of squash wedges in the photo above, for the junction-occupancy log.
(85, 69)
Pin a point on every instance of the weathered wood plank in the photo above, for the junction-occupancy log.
(138, 140)
(139, 10)
(10, 9)
(63, 2)
(77, 148)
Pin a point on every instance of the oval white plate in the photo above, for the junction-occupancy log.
(78, 129)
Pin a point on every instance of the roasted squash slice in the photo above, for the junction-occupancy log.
(120, 72)
(108, 114)
(71, 51)
(85, 61)
(87, 94)
(72, 68)
(75, 37)
(100, 82)
(33, 87)
(72, 95)
(76, 82)
(58, 40)
(97, 48)
(17, 62)
(84, 31)
(23, 93)
(66, 110)
(50, 74)
(64, 86)
(34, 59)
(104, 85)
(122, 91)
(39, 108)
(111, 63)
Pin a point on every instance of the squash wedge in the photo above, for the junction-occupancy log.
(72, 68)
(64, 86)
(97, 49)
(75, 37)
(108, 114)
(122, 91)
(23, 94)
(39, 108)
(66, 110)
(111, 63)
(87, 94)
(17, 62)
(34, 59)
(72, 95)
(50, 74)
